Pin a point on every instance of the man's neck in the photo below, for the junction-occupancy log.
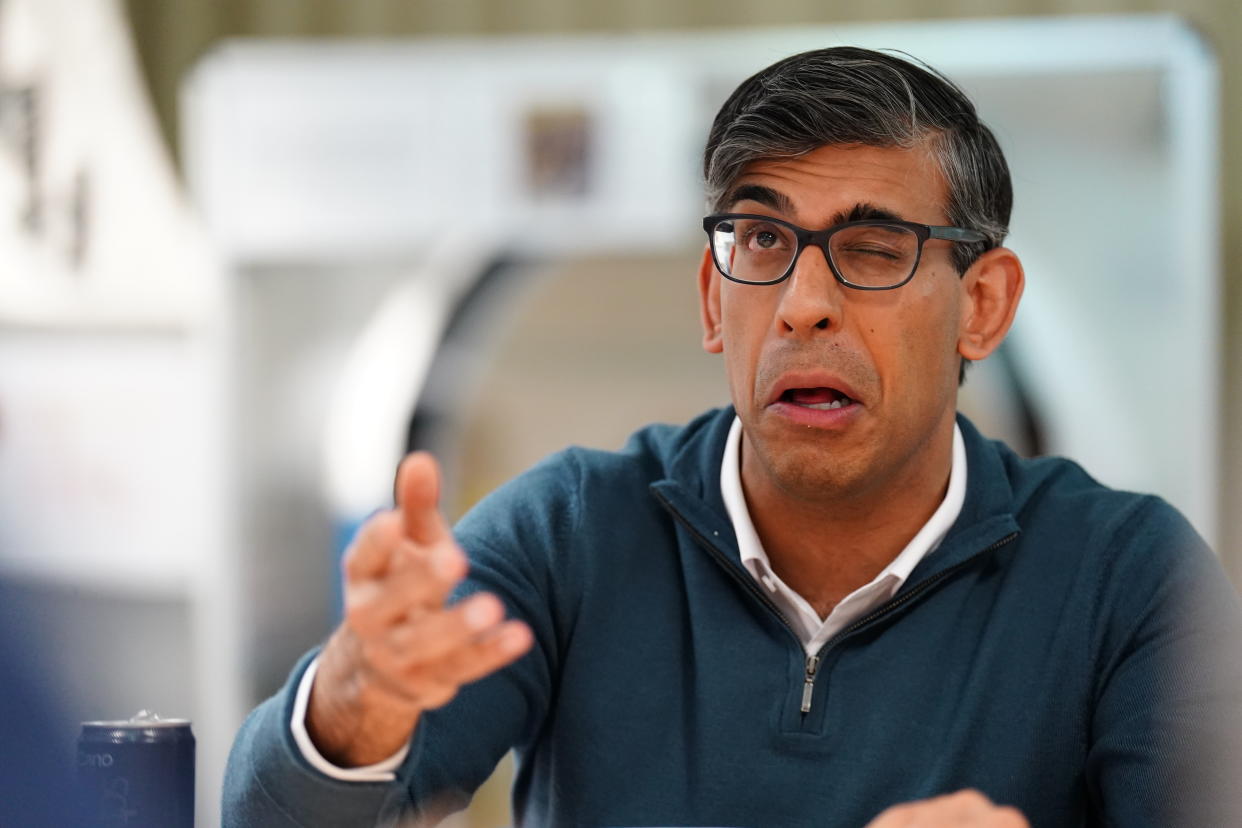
(825, 549)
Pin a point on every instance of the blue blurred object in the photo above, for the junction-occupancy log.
(343, 532)
(37, 785)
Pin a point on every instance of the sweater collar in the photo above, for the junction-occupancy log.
(692, 489)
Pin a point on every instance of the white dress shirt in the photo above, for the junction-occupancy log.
(812, 630)
(379, 772)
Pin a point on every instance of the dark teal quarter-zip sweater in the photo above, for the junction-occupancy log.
(1068, 649)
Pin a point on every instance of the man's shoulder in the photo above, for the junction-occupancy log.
(652, 453)
(1059, 504)
(1115, 555)
(1054, 488)
(660, 450)
(556, 488)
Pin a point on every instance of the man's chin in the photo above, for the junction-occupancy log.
(818, 485)
(808, 470)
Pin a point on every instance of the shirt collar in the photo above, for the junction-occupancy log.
(922, 544)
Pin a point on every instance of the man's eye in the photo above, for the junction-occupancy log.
(764, 238)
(880, 252)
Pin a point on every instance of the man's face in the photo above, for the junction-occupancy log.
(791, 349)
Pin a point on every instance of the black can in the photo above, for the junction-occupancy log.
(138, 773)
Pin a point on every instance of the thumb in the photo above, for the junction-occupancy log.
(418, 497)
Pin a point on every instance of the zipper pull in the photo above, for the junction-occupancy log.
(808, 688)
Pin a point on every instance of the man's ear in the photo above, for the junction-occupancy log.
(709, 303)
(991, 289)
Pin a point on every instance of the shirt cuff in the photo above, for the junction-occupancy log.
(379, 772)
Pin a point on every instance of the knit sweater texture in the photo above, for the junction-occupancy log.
(1068, 649)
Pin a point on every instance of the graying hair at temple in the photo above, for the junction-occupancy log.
(847, 95)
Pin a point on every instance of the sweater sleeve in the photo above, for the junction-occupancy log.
(514, 540)
(1166, 731)
(269, 783)
(519, 541)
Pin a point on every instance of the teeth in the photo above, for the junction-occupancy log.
(832, 406)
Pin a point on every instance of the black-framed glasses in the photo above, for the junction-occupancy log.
(866, 255)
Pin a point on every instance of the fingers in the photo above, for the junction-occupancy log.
(400, 650)
(369, 554)
(381, 548)
(436, 635)
(418, 497)
(399, 572)
(1009, 817)
(418, 587)
(436, 682)
(461, 643)
(463, 657)
(495, 649)
(963, 808)
(377, 548)
(426, 660)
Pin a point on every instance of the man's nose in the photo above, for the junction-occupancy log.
(811, 298)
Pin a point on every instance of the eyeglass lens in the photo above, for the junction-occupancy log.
(752, 250)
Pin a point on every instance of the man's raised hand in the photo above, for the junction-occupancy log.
(401, 650)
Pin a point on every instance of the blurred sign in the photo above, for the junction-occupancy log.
(92, 227)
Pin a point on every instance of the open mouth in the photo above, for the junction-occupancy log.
(819, 399)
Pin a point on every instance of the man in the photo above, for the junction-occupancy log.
(833, 598)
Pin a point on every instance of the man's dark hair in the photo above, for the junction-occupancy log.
(846, 95)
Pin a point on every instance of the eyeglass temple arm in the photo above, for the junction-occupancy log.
(960, 234)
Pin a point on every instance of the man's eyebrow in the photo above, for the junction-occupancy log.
(864, 212)
(766, 196)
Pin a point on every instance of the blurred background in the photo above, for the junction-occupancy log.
(252, 252)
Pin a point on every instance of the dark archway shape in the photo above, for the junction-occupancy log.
(476, 320)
